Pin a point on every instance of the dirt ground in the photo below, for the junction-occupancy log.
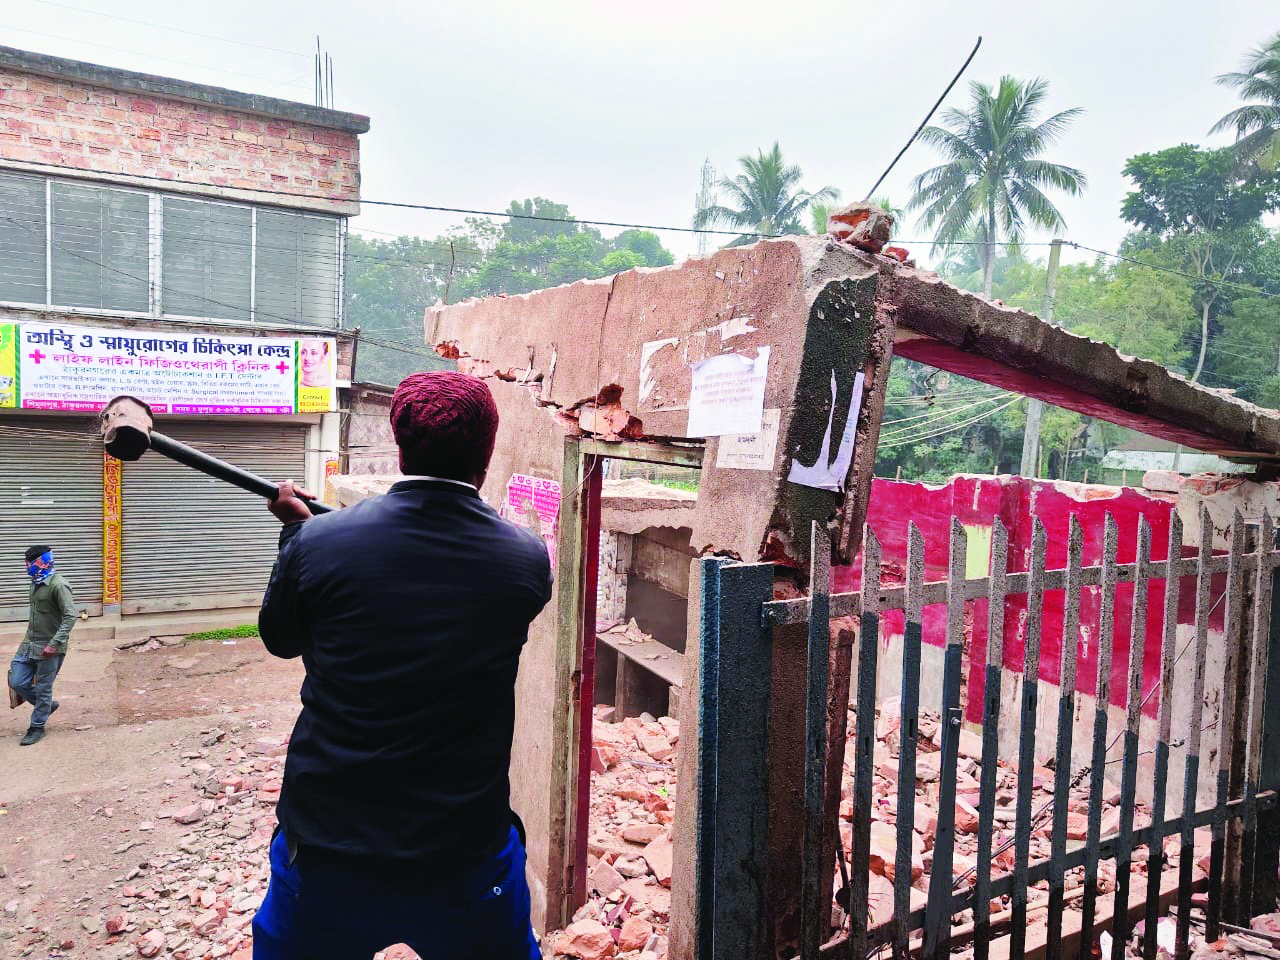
(88, 810)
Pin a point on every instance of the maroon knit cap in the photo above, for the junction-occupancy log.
(445, 424)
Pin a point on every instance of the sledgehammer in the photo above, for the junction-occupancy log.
(127, 434)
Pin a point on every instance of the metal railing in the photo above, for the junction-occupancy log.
(739, 615)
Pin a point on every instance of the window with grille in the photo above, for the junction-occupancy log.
(22, 238)
(100, 251)
(82, 246)
(297, 268)
(207, 251)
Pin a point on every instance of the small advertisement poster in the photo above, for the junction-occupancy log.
(534, 503)
(8, 365)
(80, 369)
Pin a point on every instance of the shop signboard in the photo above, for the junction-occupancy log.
(79, 369)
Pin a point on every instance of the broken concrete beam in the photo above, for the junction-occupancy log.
(862, 224)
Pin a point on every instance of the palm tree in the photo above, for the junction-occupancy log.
(1257, 125)
(769, 201)
(993, 176)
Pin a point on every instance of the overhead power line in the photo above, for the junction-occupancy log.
(927, 117)
(161, 26)
(1179, 273)
(153, 56)
(905, 441)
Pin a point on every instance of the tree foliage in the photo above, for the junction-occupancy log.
(390, 283)
(766, 196)
(1256, 124)
(1203, 208)
(994, 179)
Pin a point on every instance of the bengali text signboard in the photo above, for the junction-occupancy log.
(79, 369)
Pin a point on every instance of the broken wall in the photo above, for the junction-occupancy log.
(1019, 502)
(614, 359)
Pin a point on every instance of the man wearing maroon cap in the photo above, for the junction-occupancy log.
(409, 612)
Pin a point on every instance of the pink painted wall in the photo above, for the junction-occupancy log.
(1018, 502)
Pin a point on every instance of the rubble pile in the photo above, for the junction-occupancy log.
(629, 861)
(632, 799)
(968, 799)
(1261, 939)
(196, 901)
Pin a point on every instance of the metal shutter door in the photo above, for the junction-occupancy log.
(186, 534)
(50, 492)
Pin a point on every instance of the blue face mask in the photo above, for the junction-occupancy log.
(41, 568)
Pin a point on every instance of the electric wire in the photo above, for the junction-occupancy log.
(152, 56)
(906, 441)
(161, 26)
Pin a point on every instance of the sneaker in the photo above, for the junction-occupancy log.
(33, 735)
(53, 707)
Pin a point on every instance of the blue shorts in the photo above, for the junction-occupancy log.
(326, 912)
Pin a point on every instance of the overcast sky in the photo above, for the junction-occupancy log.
(612, 108)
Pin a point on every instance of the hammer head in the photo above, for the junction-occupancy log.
(126, 428)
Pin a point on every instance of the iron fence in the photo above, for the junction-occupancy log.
(739, 616)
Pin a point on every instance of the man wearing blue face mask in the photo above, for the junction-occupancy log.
(38, 660)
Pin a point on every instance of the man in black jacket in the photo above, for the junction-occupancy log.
(409, 612)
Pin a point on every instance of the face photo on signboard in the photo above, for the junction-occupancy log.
(314, 358)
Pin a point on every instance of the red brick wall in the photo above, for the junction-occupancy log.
(63, 123)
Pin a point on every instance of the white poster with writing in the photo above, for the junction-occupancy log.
(727, 395)
(751, 451)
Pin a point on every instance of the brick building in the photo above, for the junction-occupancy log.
(185, 244)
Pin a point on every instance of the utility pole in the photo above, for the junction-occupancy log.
(1035, 408)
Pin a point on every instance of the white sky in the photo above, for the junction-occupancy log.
(611, 108)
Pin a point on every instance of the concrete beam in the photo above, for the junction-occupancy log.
(969, 335)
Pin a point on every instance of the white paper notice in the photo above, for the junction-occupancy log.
(825, 473)
(727, 395)
(750, 451)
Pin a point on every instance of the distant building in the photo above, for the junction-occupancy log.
(184, 244)
(1138, 454)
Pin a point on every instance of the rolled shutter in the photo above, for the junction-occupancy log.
(189, 539)
(50, 492)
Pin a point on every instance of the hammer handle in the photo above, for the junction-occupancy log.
(221, 470)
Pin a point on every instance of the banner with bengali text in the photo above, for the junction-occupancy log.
(79, 369)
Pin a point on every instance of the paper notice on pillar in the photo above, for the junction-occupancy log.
(827, 473)
(727, 396)
(750, 451)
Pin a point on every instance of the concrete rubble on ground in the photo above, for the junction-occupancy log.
(968, 802)
(1260, 939)
(630, 855)
(632, 796)
(196, 901)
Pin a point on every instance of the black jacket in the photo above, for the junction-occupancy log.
(409, 612)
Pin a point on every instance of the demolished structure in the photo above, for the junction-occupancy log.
(792, 337)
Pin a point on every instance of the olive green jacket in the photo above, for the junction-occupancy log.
(53, 613)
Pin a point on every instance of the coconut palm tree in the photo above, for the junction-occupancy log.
(767, 196)
(994, 175)
(1257, 125)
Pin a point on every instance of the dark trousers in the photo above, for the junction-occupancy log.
(321, 911)
(32, 679)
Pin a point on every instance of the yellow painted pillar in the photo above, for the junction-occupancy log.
(111, 540)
